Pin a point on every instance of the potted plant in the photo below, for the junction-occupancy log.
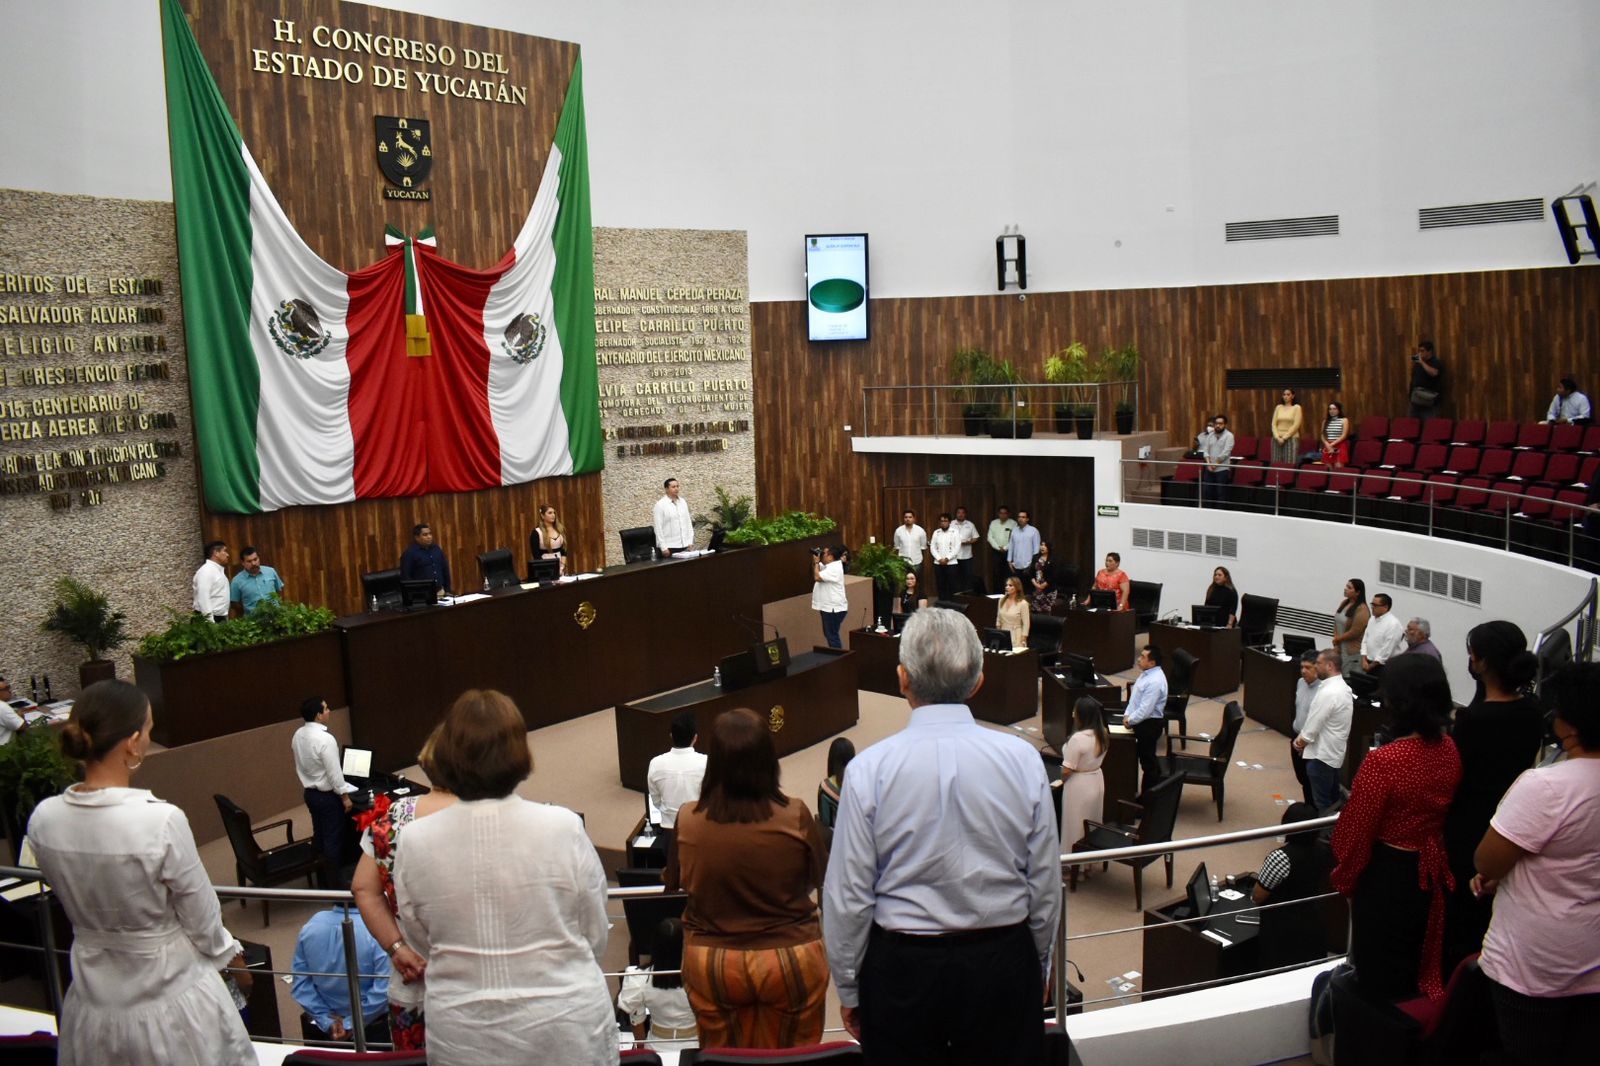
(82, 615)
(1011, 416)
(1069, 366)
(1121, 366)
(887, 571)
(32, 769)
(971, 368)
(728, 513)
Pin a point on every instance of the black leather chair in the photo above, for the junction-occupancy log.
(1045, 633)
(1258, 619)
(1144, 599)
(1156, 814)
(498, 568)
(1212, 767)
(1458, 1027)
(382, 586)
(1180, 677)
(644, 913)
(266, 867)
(637, 543)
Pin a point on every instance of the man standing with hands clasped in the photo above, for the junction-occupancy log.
(945, 549)
(944, 885)
(1323, 738)
(674, 526)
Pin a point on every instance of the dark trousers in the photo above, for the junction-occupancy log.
(963, 575)
(832, 622)
(952, 1000)
(1298, 762)
(947, 580)
(999, 570)
(327, 829)
(1146, 735)
(1546, 1032)
(1324, 783)
(1388, 916)
(1214, 484)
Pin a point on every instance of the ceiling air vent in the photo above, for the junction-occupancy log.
(1481, 214)
(1278, 229)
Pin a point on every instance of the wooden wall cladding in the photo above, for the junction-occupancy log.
(314, 141)
(1505, 337)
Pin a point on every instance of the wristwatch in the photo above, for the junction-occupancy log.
(396, 946)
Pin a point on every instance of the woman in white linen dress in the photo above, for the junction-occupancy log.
(505, 898)
(148, 940)
(1083, 793)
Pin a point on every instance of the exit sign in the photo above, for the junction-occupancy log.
(1108, 510)
(941, 479)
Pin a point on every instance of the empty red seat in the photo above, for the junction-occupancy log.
(1505, 497)
(1407, 486)
(1398, 454)
(1280, 476)
(1566, 437)
(1405, 428)
(1533, 435)
(1441, 490)
(1537, 504)
(1587, 472)
(1438, 431)
(1374, 427)
(1188, 470)
(1469, 431)
(1463, 460)
(1366, 453)
(1500, 435)
(1311, 480)
(1342, 482)
(1569, 506)
(1591, 440)
(1496, 463)
(1527, 466)
(1375, 485)
(1562, 469)
(1430, 458)
(1472, 493)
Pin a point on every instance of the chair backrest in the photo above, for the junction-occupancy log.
(383, 586)
(1067, 578)
(1562, 469)
(638, 877)
(644, 913)
(1528, 466)
(28, 1049)
(638, 1056)
(237, 823)
(1180, 672)
(1374, 427)
(1463, 459)
(1045, 632)
(1232, 722)
(1374, 485)
(1430, 457)
(1368, 452)
(1501, 434)
(838, 1051)
(1464, 1023)
(1533, 435)
(327, 1057)
(1438, 431)
(1406, 428)
(1399, 454)
(498, 568)
(1257, 615)
(1160, 815)
(637, 543)
(1407, 485)
(1566, 437)
(1496, 462)
(1311, 480)
(1591, 440)
(1244, 447)
(1469, 431)
(1144, 598)
(1369, 1030)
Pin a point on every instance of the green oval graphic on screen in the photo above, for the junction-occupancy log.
(837, 295)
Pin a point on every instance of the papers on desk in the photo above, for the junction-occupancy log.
(1212, 934)
(1230, 893)
(59, 711)
(465, 597)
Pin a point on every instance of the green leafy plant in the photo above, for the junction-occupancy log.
(274, 619)
(729, 513)
(32, 769)
(791, 525)
(1121, 365)
(879, 562)
(971, 367)
(84, 616)
(1070, 366)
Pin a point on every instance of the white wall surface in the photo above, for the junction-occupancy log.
(1304, 563)
(1122, 136)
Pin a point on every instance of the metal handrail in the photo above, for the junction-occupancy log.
(1017, 399)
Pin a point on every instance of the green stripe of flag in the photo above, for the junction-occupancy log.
(572, 288)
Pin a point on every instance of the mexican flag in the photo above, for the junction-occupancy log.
(312, 385)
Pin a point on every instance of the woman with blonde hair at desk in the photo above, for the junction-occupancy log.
(1013, 615)
(549, 538)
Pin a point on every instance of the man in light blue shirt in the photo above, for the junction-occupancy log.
(254, 582)
(1024, 543)
(321, 987)
(1146, 713)
(943, 888)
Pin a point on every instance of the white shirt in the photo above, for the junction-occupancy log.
(211, 589)
(1385, 637)
(506, 899)
(969, 536)
(674, 526)
(674, 779)
(1569, 407)
(668, 1008)
(946, 544)
(316, 759)
(827, 593)
(909, 542)
(1327, 728)
(11, 722)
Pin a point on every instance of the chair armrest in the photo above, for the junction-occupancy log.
(1136, 808)
(1090, 823)
(1184, 736)
(288, 829)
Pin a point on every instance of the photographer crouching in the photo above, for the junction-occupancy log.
(827, 590)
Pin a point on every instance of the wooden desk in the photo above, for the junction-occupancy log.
(1269, 688)
(1056, 700)
(1217, 672)
(1010, 690)
(877, 656)
(816, 701)
(1180, 954)
(1106, 635)
(982, 611)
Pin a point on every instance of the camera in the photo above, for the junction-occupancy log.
(816, 553)
(1416, 357)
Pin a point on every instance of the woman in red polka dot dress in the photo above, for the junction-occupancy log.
(1389, 842)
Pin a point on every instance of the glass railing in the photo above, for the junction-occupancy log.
(1019, 410)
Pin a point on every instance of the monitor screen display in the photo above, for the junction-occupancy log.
(836, 286)
(1103, 600)
(1200, 893)
(544, 569)
(1202, 615)
(417, 593)
(357, 762)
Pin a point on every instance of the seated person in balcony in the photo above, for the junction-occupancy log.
(322, 987)
(1221, 593)
(1296, 871)
(1216, 444)
(1569, 405)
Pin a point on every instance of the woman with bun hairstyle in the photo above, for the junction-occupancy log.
(1498, 736)
(148, 939)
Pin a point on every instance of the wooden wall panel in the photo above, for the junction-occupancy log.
(1505, 336)
(314, 142)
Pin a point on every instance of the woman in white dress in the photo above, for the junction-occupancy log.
(148, 940)
(505, 898)
(1083, 792)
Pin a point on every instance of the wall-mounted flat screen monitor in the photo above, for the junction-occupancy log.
(836, 286)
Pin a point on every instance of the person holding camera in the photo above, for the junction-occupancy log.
(1427, 381)
(827, 591)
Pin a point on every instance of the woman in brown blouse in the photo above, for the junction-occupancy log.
(751, 860)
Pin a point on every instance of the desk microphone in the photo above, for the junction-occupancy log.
(759, 634)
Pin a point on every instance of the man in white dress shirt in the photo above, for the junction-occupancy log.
(211, 583)
(1385, 636)
(910, 541)
(1323, 738)
(946, 550)
(327, 793)
(674, 525)
(674, 776)
(968, 532)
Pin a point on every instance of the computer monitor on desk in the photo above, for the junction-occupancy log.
(544, 571)
(418, 594)
(1077, 669)
(1102, 600)
(1206, 616)
(1199, 892)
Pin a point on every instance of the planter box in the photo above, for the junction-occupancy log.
(206, 696)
